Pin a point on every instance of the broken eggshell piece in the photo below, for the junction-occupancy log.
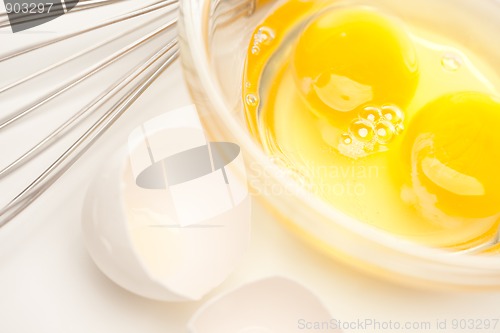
(169, 217)
(272, 305)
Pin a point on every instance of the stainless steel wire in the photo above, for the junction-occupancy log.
(72, 57)
(81, 77)
(71, 155)
(60, 90)
(122, 93)
(136, 13)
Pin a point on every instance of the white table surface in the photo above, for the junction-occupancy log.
(48, 283)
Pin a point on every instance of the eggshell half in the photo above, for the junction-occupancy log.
(272, 305)
(158, 222)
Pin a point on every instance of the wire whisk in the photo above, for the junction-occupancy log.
(150, 24)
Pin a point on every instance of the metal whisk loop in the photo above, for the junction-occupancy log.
(136, 13)
(70, 156)
(60, 90)
(122, 93)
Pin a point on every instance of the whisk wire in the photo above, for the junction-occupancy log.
(36, 149)
(82, 77)
(124, 91)
(135, 13)
(74, 56)
(84, 142)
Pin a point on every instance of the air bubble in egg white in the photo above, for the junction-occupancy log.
(362, 130)
(266, 35)
(252, 100)
(451, 61)
(255, 50)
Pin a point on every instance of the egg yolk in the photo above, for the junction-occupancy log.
(452, 148)
(347, 58)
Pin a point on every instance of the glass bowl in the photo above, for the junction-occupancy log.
(214, 35)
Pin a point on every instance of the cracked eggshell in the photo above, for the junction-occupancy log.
(143, 237)
(272, 305)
